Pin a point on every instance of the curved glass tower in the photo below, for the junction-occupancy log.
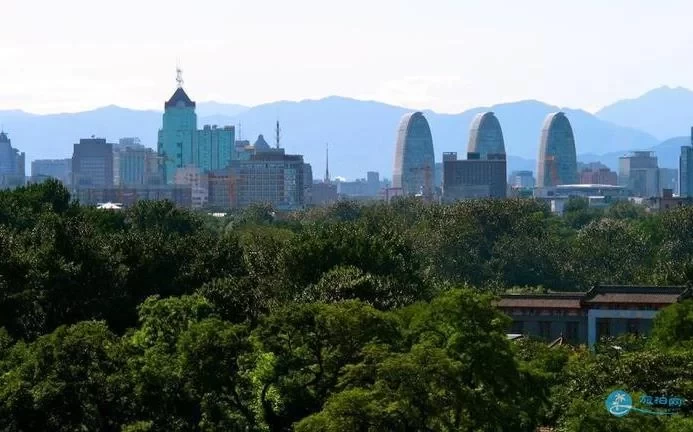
(485, 136)
(557, 162)
(414, 159)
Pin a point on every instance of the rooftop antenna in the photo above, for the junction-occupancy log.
(278, 131)
(327, 163)
(240, 135)
(179, 77)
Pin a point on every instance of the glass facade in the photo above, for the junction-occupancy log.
(486, 136)
(414, 168)
(557, 162)
(686, 172)
(182, 144)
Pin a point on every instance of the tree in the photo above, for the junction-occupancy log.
(303, 351)
(63, 382)
(673, 326)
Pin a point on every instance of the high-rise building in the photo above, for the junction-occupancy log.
(92, 163)
(414, 168)
(271, 177)
(638, 171)
(12, 163)
(686, 170)
(522, 179)
(181, 144)
(486, 136)
(474, 177)
(557, 162)
(135, 164)
(60, 169)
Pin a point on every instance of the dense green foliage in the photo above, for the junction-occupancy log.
(346, 318)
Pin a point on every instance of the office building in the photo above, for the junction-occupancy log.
(181, 144)
(522, 180)
(668, 180)
(198, 182)
(135, 164)
(474, 177)
(485, 136)
(92, 163)
(667, 201)
(686, 170)
(59, 169)
(323, 194)
(12, 164)
(639, 172)
(307, 184)
(584, 318)
(557, 161)
(602, 176)
(414, 165)
(269, 177)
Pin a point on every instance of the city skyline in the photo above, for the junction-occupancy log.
(232, 50)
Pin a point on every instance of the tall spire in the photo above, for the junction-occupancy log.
(327, 163)
(278, 131)
(179, 77)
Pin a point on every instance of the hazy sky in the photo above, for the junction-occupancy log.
(447, 55)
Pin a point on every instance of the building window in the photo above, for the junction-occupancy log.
(603, 328)
(633, 326)
(571, 331)
(545, 329)
(517, 327)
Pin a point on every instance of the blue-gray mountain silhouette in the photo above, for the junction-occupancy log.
(361, 134)
(664, 112)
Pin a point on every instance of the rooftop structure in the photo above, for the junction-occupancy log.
(586, 317)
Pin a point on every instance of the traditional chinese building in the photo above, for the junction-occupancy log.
(586, 317)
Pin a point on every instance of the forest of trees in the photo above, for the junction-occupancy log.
(346, 318)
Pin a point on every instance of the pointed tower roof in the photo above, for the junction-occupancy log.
(3, 137)
(179, 96)
(261, 144)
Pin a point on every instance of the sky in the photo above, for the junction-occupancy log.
(445, 55)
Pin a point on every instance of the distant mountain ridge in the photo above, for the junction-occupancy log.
(664, 112)
(361, 134)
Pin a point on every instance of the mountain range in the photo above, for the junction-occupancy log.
(361, 134)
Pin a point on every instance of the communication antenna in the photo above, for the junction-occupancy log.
(278, 132)
(327, 163)
(240, 135)
(179, 77)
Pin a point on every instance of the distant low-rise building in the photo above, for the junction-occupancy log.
(197, 180)
(602, 176)
(667, 201)
(180, 195)
(323, 194)
(522, 180)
